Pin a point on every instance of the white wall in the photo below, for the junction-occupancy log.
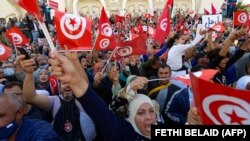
(9, 9)
(207, 5)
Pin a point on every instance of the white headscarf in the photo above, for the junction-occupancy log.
(133, 107)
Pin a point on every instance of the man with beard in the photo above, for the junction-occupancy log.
(162, 90)
(70, 120)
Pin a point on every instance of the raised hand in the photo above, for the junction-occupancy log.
(65, 70)
(27, 65)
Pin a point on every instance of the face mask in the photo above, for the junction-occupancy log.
(8, 130)
(44, 66)
(8, 71)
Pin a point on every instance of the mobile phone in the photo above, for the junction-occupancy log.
(23, 52)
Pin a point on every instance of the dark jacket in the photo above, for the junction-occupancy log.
(112, 127)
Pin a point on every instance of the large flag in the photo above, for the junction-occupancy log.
(5, 52)
(163, 26)
(16, 37)
(134, 47)
(73, 31)
(106, 38)
(213, 10)
(220, 105)
(240, 18)
(31, 6)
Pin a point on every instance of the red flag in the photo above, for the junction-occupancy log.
(31, 7)
(73, 31)
(213, 10)
(16, 37)
(206, 12)
(220, 105)
(106, 37)
(134, 47)
(170, 3)
(132, 35)
(240, 18)
(54, 86)
(147, 15)
(163, 26)
(218, 27)
(119, 19)
(5, 52)
(206, 74)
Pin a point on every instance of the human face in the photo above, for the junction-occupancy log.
(144, 118)
(44, 76)
(164, 73)
(66, 91)
(42, 60)
(181, 40)
(84, 63)
(223, 63)
(203, 60)
(7, 112)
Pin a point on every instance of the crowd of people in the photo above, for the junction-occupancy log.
(102, 99)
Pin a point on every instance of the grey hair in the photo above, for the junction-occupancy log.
(15, 100)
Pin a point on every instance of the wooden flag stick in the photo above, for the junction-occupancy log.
(46, 33)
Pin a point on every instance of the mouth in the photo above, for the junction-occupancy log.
(148, 128)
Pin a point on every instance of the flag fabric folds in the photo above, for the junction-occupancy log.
(220, 105)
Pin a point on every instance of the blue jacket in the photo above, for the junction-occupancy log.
(36, 130)
(111, 127)
(178, 107)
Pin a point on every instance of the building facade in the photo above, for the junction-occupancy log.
(121, 7)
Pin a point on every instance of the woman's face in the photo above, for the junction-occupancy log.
(181, 40)
(44, 76)
(84, 63)
(144, 118)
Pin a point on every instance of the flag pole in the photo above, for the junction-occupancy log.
(46, 33)
(14, 45)
(109, 59)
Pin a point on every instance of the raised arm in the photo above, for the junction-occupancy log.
(29, 92)
(111, 126)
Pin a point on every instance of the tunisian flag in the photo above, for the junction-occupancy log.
(163, 26)
(134, 47)
(240, 18)
(5, 52)
(54, 86)
(16, 37)
(218, 27)
(73, 31)
(106, 38)
(220, 105)
(31, 7)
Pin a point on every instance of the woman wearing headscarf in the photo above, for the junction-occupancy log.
(141, 110)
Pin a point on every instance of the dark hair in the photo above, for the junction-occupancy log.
(163, 66)
(214, 53)
(197, 68)
(80, 57)
(10, 85)
(171, 41)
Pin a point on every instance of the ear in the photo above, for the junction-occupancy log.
(20, 113)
